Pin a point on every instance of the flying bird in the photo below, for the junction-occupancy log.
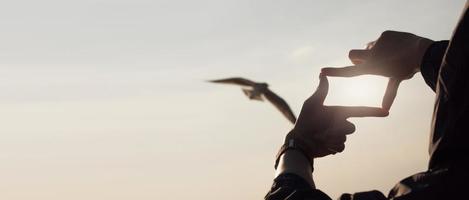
(259, 91)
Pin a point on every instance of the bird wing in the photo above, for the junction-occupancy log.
(235, 80)
(280, 104)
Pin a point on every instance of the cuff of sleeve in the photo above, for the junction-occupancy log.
(431, 62)
(291, 186)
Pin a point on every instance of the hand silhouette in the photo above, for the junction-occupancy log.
(396, 55)
(322, 129)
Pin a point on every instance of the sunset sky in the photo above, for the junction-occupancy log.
(107, 99)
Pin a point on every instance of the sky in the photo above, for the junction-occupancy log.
(107, 99)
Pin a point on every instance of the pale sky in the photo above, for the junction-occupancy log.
(106, 99)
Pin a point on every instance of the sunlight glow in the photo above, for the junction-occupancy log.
(357, 91)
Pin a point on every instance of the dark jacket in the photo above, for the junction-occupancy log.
(445, 68)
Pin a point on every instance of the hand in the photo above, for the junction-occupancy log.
(323, 129)
(396, 55)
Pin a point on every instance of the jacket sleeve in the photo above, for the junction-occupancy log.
(431, 62)
(293, 187)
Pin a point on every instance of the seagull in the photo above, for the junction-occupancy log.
(259, 91)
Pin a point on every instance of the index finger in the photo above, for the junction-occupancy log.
(349, 71)
(359, 111)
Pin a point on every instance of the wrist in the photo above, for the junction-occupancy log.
(293, 143)
(295, 162)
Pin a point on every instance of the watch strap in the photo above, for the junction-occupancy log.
(297, 145)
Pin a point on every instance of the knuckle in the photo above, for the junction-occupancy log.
(341, 148)
(339, 139)
(387, 33)
(352, 128)
(343, 139)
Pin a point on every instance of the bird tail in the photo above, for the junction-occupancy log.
(252, 95)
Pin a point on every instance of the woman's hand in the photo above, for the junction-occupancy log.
(396, 55)
(319, 131)
(323, 129)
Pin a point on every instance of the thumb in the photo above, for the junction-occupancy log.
(322, 90)
(390, 94)
(359, 56)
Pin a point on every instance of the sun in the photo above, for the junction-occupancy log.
(356, 91)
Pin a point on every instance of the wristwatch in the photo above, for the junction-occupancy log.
(297, 145)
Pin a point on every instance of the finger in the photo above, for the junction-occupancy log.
(349, 71)
(342, 129)
(336, 139)
(370, 45)
(336, 148)
(358, 111)
(322, 90)
(358, 56)
(332, 150)
(347, 127)
(390, 94)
